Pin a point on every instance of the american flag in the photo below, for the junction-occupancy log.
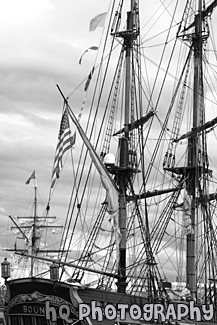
(66, 141)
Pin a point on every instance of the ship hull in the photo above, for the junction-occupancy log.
(38, 301)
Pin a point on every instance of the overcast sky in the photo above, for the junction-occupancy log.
(40, 46)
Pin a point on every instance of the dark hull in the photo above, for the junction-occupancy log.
(27, 301)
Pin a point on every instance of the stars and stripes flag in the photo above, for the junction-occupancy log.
(66, 141)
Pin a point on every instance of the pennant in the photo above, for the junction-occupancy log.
(66, 141)
(97, 21)
(87, 83)
(94, 48)
(31, 177)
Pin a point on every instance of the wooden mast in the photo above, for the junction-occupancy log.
(124, 173)
(193, 148)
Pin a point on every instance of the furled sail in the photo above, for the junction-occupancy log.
(111, 191)
(197, 130)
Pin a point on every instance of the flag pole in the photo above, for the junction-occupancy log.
(65, 99)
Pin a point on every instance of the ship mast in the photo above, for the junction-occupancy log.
(124, 173)
(193, 149)
(34, 237)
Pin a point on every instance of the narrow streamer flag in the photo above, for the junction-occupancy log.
(97, 21)
(94, 48)
(87, 83)
(66, 141)
(31, 177)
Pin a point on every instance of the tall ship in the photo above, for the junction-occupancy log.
(140, 157)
